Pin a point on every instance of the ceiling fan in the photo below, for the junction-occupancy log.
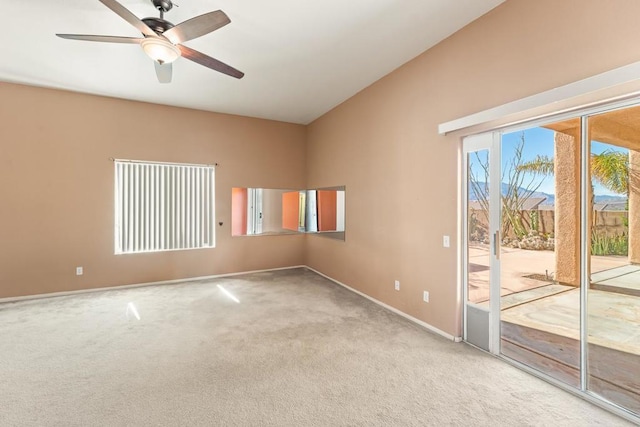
(162, 41)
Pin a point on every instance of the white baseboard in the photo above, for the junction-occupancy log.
(140, 285)
(390, 308)
(216, 276)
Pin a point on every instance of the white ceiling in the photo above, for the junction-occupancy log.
(300, 58)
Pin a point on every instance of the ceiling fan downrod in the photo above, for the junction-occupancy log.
(163, 6)
(160, 25)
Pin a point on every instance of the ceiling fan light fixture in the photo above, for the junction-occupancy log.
(160, 50)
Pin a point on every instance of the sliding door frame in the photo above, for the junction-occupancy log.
(486, 141)
(585, 252)
(585, 248)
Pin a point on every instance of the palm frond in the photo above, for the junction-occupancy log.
(540, 164)
(611, 169)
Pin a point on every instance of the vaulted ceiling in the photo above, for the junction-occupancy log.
(300, 58)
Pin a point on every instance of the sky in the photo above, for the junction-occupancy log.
(539, 141)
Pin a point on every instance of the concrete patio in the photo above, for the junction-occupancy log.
(518, 265)
(540, 319)
(613, 299)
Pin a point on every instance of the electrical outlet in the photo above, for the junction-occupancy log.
(425, 296)
(79, 271)
(446, 242)
(397, 285)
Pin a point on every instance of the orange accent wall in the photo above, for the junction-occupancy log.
(327, 208)
(239, 211)
(290, 211)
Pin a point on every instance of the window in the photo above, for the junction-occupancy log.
(163, 206)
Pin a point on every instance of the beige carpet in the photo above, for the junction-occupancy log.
(297, 350)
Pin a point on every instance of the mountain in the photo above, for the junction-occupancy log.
(550, 198)
(602, 198)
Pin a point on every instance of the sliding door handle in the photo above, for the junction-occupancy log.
(496, 244)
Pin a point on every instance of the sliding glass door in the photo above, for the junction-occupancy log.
(613, 229)
(540, 268)
(558, 269)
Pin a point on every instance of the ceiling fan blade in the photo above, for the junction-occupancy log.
(196, 27)
(209, 62)
(106, 39)
(163, 72)
(125, 14)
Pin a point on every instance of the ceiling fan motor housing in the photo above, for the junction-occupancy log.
(162, 5)
(158, 25)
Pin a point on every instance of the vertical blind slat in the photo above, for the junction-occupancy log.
(174, 207)
(190, 223)
(143, 193)
(179, 217)
(198, 204)
(152, 208)
(136, 205)
(140, 208)
(156, 232)
(169, 207)
(118, 209)
(212, 204)
(183, 207)
(187, 208)
(127, 209)
(207, 210)
(141, 196)
(191, 207)
(147, 217)
(161, 225)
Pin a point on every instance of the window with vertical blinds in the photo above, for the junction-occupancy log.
(162, 207)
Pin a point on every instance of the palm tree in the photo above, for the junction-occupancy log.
(609, 168)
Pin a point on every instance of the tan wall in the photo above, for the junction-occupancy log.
(397, 168)
(56, 187)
